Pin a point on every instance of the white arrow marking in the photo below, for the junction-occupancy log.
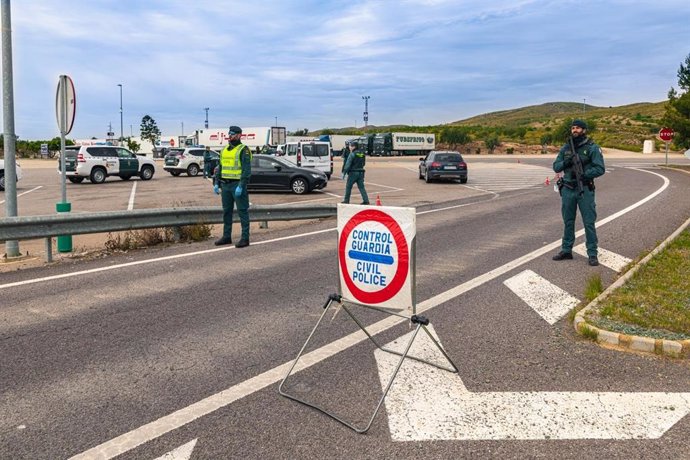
(614, 261)
(426, 403)
(547, 299)
(184, 452)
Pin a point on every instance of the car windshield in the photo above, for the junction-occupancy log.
(448, 157)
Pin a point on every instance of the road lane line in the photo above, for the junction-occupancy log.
(544, 297)
(615, 262)
(186, 415)
(24, 193)
(130, 206)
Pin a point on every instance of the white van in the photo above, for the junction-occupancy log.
(310, 154)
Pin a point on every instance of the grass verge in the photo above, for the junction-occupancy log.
(655, 301)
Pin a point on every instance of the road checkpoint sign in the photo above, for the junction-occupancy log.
(376, 256)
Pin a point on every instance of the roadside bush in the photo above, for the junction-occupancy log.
(148, 237)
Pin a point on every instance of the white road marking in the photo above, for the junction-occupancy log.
(184, 452)
(130, 206)
(615, 262)
(426, 403)
(24, 193)
(547, 299)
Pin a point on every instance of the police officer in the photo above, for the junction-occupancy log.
(571, 198)
(207, 162)
(354, 169)
(232, 177)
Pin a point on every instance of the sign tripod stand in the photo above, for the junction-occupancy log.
(376, 247)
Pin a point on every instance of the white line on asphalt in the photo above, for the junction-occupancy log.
(132, 439)
(544, 297)
(24, 193)
(615, 262)
(427, 403)
(184, 452)
(130, 206)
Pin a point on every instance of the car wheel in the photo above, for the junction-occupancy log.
(328, 176)
(126, 177)
(97, 176)
(76, 180)
(192, 170)
(175, 173)
(427, 179)
(2, 181)
(146, 173)
(463, 181)
(299, 186)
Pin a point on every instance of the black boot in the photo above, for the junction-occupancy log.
(593, 261)
(242, 243)
(222, 241)
(563, 256)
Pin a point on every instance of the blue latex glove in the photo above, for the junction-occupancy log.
(238, 191)
(216, 189)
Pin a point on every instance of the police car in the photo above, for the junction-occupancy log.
(97, 162)
(189, 161)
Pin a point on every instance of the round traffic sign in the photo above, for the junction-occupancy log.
(666, 134)
(65, 104)
(373, 252)
(172, 142)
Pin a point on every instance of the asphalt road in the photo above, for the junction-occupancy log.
(134, 338)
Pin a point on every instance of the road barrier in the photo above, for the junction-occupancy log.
(49, 226)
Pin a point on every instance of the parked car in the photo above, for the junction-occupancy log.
(310, 154)
(18, 169)
(275, 173)
(97, 162)
(443, 164)
(188, 160)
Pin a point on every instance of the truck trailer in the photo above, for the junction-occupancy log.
(217, 138)
(396, 144)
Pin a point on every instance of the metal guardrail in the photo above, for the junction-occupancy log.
(48, 226)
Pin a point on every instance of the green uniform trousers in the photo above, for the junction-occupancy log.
(355, 177)
(227, 195)
(570, 201)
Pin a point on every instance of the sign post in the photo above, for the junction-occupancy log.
(666, 135)
(65, 110)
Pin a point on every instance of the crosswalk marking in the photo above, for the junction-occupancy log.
(547, 299)
(615, 262)
(505, 177)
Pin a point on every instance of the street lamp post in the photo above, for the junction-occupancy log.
(122, 129)
(366, 110)
(584, 107)
(206, 121)
(276, 121)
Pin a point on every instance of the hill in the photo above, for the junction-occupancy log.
(623, 127)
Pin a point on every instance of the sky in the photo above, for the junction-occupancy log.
(309, 63)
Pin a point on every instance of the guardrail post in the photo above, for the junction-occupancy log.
(49, 249)
(263, 224)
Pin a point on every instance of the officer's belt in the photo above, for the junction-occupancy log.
(228, 181)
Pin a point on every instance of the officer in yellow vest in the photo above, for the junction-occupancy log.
(232, 177)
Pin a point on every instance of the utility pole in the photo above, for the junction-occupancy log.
(206, 122)
(366, 110)
(10, 139)
(122, 130)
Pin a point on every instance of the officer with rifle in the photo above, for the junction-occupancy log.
(581, 161)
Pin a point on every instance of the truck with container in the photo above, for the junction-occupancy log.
(396, 144)
(253, 137)
(338, 141)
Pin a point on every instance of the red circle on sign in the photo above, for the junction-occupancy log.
(666, 134)
(403, 256)
(172, 142)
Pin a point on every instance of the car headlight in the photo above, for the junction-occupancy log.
(318, 176)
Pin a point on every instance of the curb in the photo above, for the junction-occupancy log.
(672, 348)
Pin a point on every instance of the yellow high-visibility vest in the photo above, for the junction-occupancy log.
(230, 166)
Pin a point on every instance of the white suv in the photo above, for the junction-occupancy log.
(2, 174)
(189, 160)
(97, 162)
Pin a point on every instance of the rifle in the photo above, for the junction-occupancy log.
(577, 167)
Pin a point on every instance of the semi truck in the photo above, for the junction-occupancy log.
(253, 137)
(396, 144)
